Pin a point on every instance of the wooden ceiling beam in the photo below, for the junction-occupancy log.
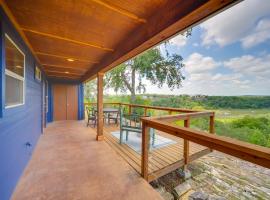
(172, 18)
(67, 39)
(65, 57)
(63, 72)
(64, 67)
(120, 11)
(61, 77)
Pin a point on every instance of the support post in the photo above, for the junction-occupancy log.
(186, 145)
(145, 111)
(100, 107)
(212, 124)
(145, 144)
(129, 109)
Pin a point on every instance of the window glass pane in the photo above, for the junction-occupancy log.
(14, 91)
(14, 58)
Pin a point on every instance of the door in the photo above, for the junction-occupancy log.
(65, 102)
(72, 102)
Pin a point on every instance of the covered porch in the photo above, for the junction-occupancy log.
(68, 163)
(71, 160)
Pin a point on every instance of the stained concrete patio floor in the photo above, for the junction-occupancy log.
(68, 163)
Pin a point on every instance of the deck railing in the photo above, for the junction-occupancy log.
(243, 150)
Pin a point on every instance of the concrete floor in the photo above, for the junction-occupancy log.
(68, 163)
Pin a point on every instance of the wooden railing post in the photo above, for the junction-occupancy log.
(129, 109)
(145, 143)
(212, 124)
(145, 111)
(186, 144)
(100, 107)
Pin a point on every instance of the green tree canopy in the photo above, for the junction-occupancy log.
(150, 65)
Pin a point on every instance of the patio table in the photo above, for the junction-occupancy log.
(108, 111)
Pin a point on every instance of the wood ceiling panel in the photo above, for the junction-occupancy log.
(57, 61)
(59, 74)
(140, 8)
(60, 47)
(73, 19)
(63, 69)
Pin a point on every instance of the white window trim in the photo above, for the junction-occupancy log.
(16, 76)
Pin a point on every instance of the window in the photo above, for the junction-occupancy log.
(14, 73)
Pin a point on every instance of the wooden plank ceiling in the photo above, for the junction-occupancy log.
(77, 39)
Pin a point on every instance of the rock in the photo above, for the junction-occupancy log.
(160, 189)
(165, 195)
(181, 189)
(215, 197)
(198, 196)
(185, 174)
(155, 184)
(186, 195)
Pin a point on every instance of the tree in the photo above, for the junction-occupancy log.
(90, 91)
(150, 65)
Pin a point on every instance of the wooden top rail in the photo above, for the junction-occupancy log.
(243, 150)
(170, 109)
(184, 116)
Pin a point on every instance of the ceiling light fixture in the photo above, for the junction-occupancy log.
(70, 59)
(67, 72)
(18, 66)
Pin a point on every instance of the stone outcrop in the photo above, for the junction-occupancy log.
(218, 176)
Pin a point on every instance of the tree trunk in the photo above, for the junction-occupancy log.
(133, 97)
(133, 94)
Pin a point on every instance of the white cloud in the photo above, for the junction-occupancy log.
(197, 63)
(236, 23)
(250, 65)
(179, 40)
(260, 34)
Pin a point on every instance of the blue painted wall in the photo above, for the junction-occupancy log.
(50, 103)
(18, 125)
(23, 124)
(80, 101)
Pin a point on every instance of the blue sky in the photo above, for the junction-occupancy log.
(229, 54)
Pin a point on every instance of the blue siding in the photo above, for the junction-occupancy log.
(2, 71)
(80, 102)
(18, 125)
(50, 103)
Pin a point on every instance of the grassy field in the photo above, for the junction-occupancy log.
(249, 125)
(233, 114)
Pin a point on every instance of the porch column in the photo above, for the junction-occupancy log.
(100, 106)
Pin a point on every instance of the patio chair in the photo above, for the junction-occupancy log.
(115, 117)
(91, 116)
(132, 123)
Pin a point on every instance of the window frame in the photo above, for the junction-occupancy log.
(14, 75)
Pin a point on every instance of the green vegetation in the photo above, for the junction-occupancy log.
(150, 65)
(245, 118)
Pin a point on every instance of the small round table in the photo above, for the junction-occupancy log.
(107, 111)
